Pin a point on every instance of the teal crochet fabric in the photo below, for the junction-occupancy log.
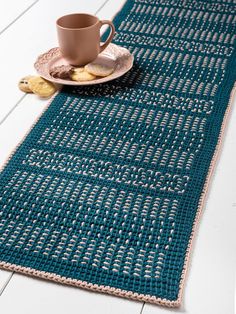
(104, 191)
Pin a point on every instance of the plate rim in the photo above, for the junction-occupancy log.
(103, 80)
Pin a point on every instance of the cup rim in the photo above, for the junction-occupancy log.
(77, 28)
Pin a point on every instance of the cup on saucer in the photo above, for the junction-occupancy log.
(79, 37)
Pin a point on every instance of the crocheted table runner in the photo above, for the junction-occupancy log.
(106, 189)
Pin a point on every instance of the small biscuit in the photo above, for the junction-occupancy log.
(41, 87)
(99, 69)
(80, 75)
(62, 71)
(24, 84)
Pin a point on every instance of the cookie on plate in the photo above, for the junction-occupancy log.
(41, 87)
(81, 75)
(62, 71)
(99, 69)
(24, 84)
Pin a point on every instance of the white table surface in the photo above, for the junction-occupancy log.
(27, 28)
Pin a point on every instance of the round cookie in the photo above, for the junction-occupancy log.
(80, 75)
(41, 87)
(62, 71)
(24, 84)
(99, 69)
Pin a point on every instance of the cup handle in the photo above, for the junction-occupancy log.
(111, 35)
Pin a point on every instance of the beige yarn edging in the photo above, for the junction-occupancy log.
(204, 193)
(28, 132)
(116, 291)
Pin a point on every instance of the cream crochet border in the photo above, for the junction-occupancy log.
(116, 291)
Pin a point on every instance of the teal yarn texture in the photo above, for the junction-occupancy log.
(104, 191)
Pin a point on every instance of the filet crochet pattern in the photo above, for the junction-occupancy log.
(106, 189)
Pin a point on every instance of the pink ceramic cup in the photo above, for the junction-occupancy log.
(79, 37)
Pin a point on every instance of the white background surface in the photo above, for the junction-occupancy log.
(27, 28)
